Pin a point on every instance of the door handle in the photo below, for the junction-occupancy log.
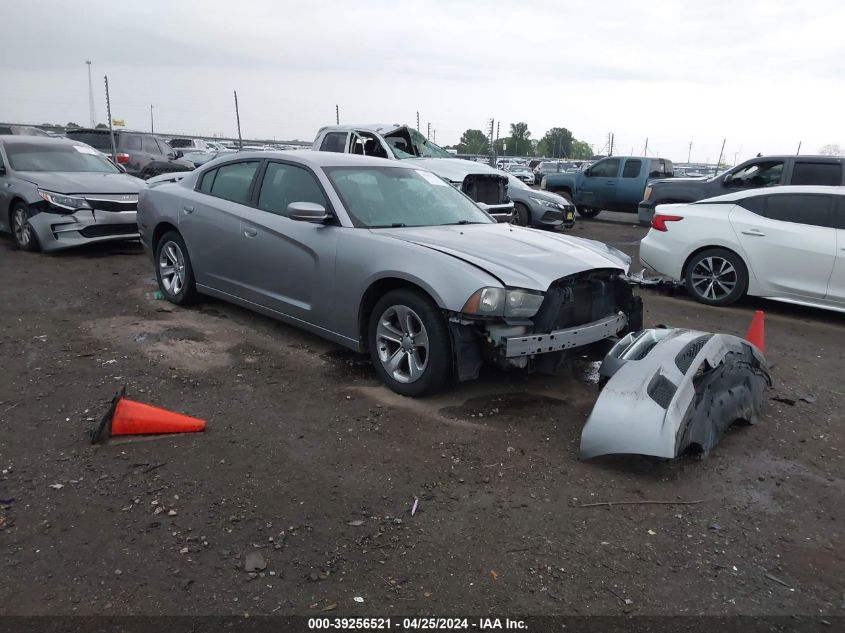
(250, 232)
(188, 210)
(754, 233)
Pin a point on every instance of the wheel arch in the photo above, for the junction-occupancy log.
(375, 291)
(12, 201)
(160, 229)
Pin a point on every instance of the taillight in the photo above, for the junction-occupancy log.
(122, 158)
(658, 222)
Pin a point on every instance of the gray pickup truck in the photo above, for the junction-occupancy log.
(763, 171)
(615, 183)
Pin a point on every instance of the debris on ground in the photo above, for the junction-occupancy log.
(671, 392)
(254, 561)
(414, 507)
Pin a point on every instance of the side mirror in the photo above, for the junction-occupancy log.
(179, 153)
(728, 179)
(588, 173)
(307, 212)
(2, 170)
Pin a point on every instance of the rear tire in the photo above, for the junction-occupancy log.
(409, 343)
(22, 231)
(716, 277)
(587, 212)
(174, 272)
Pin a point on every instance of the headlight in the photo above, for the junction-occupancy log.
(647, 194)
(547, 203)
(502, 302)
(68, 203)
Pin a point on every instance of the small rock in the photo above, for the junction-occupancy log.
(314, 576)
(171, 513)
(358, 599)
(117, 572)
(254, 561)
(356, 523)
(184, 550)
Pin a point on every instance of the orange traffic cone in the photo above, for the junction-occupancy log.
(755, 334)
(127, 417)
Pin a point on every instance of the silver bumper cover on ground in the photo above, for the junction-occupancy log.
(672, 392)
(558, 340)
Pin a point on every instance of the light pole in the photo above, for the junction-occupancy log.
(92, 115)
(152, 123)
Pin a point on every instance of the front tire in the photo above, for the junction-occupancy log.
(174, 272)
(521, 215)
(409, 343)
(716, 277)
(22, 231)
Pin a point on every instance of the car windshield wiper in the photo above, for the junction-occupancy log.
(395, 225)
(462, 222)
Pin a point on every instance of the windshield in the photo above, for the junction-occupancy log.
(516, 183)
(426, 148)
(384, 197)
(59, 157)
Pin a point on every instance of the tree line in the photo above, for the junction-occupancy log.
(558, 142)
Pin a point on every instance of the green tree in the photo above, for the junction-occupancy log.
(519, 142)
(580, 149)
(71, 124)
(102, 126)
(556, 143)
(473, 142)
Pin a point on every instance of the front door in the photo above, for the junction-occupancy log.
(600, 183)
(288, 265)
(789, 242)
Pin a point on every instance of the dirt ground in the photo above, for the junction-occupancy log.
(308, 462)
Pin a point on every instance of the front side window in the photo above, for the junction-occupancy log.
(233, 181)
(284, 184)
(817, 174)
(608, 168)
(334, 142)
(762, 174)
(383, 197)
(28, 156)
(149, 144)
(632, 168)
(812, 209)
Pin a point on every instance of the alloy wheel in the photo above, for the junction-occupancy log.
(20, 227)
(171, 267)
(714, 278)
(403, 346)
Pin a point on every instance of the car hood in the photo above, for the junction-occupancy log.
(452, 169)
(516, 256)
(82, 182)
(538, 193)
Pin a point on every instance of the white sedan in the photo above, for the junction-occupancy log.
(782, 243)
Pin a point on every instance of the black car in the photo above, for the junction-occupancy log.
(140, 154)
(762, 171)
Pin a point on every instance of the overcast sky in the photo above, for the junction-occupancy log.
(763, 74)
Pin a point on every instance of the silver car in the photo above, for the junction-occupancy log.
(56, 193)
(383, 257)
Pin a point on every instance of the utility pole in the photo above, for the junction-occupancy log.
(798, 151)
(434, 135)
(722, 151)
(238, 118)
(337, 115)
(152, 122)
(108, 113)
(428, 131)
(492, 146)
(418, 120)
(645, 149)
(92, 115)
(612, 139)
(689, 153)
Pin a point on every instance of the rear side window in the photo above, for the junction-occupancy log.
(233, 181)
(605, 169)
(133, 142)
(817, 174)
(756, 204)
(284, 184)
(334, 142)
(812, 209)
(632, 168)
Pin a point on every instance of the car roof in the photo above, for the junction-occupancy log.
(379, 128)
(801, 157)
(321, 159)
(99, 130)
(767, 191)
(45, 140)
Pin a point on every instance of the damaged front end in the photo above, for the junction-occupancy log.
(673, 392)
(540, 332)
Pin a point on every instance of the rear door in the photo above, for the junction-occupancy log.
(789, 241)
(288, 265)
(210, 221)
(600, 183)
(630, 189)
(836, 287)
(817, 172)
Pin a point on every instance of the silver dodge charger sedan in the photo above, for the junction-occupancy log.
(383, 257)
(56, 193)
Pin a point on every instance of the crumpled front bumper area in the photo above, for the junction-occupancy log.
(671, 392)
(567, 338)
(56, 231)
